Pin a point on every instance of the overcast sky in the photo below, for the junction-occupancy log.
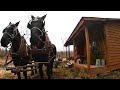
(59, 24)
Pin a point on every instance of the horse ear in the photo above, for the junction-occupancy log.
(32, 17)
(17, 23)
(43, 17)
(10, 23)
(3, 31)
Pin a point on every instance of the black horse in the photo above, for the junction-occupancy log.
(19, 50)
(42, 48)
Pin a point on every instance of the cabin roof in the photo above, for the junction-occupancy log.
(81, 23)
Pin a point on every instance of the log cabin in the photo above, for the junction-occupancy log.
(97, 41)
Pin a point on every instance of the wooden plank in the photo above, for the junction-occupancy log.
(113, 63)
(114, 36)
(41, 62)
(114, 51)
(113, 67)
(113, 24)
(114, 47)
(114, 59)
(22, 70)
(98, 70)
(113, 28)
(115, 42)
(87, 48)
(114, 55)
(114, 31)
(25, 66)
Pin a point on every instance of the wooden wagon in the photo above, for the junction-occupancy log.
(99, 39)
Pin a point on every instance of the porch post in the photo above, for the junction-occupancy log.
(69, 51)
(87, 48)
(74, 50)
(66, 52)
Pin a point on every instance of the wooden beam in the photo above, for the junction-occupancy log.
(87, 48)
(66, 52)
(74, 49)
(75, 31)
(106, 43)
(69, 51)
(22, 70)
(25, 66)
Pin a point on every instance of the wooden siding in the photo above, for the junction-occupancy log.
(113, 42)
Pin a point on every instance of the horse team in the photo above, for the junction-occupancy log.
(40, 49)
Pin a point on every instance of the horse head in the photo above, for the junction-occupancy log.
(38, 34)
(9, 33)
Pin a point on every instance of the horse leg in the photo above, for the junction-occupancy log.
(35, 69)
(48, 71)
(25, 73)
(19, 76)
(51, 67)
(40, 71)
(32, 72)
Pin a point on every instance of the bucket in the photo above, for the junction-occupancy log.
(102, 62)
(98, 62)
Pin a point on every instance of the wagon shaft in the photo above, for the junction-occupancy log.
(21, 68)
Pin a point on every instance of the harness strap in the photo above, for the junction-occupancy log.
(46, 47)
(23, 48)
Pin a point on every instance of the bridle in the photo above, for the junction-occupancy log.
(14, 33)
(11, 37)
(40, 30)
(39, 37)
(42, 33)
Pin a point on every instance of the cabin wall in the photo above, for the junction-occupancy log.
(113, 42)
